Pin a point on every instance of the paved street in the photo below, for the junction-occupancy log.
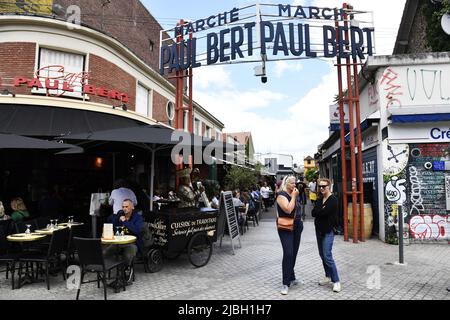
(254, 272)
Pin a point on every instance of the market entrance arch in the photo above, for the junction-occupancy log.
(262, 33)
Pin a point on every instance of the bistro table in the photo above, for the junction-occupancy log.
(66, 224)
(126, 239)
(27, 238)
(118, 240)
(49, 231)
(23, 237)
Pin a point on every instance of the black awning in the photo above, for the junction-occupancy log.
(150, 135)
(12, 141)
(53, 121)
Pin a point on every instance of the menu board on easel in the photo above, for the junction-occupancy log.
(226, 206)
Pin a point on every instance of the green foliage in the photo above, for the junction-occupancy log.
(312, 175)
(212, 188)
(437, 39)
(241, 178)
(392, 239)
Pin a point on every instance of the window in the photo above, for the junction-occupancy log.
(208, 132)
(64, 67)
(152, 45)
(142, 100)
(186, 120)
(170, 111)
(218, 136)
(197, 126)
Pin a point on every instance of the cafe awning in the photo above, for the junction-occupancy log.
(151, 138)
(13, 141)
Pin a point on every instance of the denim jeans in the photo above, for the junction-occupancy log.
(325, 244)
(290, 241)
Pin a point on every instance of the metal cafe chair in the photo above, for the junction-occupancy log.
(91, 259)
(58, 244)
(7, 255)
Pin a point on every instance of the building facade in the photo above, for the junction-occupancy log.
(59, 78)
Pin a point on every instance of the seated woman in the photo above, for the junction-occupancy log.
(20, 211)
(3, 216)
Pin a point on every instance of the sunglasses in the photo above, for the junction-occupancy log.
(323, 186)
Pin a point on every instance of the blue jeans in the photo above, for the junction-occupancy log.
(290, 241)
(325, 244)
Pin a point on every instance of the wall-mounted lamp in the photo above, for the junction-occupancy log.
(98, 162)
(6, 92)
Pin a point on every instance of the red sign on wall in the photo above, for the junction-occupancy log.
(55, 82)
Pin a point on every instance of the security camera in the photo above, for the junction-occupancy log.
(264, 79)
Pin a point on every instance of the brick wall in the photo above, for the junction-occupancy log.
(159, 108)
(107, 75)
(17, 59)
(128, 21)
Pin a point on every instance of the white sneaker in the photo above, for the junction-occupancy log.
(325, 281)
(294, 283)
(337, 287)
(284, 290)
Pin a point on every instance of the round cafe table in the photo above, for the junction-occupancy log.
(127, 239)
(49, 231)
(65, 224)
(23, 237)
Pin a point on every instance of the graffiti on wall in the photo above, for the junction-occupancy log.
(389, 84)
(429, 227)
(407, 86)
(427, 82)
(419, 191)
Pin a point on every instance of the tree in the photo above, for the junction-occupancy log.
(241, 178)
(312, 174)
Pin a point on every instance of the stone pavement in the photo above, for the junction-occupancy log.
(367, 271)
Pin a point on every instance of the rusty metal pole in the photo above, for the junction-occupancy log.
(179, 96)
(351, 127)
(359, 146)
(342, 132)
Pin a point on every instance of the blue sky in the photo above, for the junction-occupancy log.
(289, 114)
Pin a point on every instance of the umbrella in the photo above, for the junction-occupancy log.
(152, 138)
(13, 141)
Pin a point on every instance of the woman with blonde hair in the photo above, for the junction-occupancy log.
(288, 206)
(325, 214)
(20, 211)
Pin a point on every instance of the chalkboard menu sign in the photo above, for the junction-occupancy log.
(226, 206)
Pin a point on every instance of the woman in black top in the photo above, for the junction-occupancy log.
(325, 214)
(287, 206)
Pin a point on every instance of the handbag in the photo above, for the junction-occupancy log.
(285, 223)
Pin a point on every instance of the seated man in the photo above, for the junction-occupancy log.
(132, 224)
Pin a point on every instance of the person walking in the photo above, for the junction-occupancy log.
(287, 206)
(312, 186)
(120, 193)
(302, 198)
(325, 214)
(265, 192)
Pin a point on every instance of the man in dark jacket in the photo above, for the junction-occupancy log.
(132, 224)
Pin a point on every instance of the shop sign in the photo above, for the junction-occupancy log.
(272, 37)
(55, 82)
(417, 133)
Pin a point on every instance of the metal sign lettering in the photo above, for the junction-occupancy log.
(269, 35)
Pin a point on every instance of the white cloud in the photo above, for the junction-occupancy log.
(307, 121)
(212, 77)
(305, 127)
(282, 66)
